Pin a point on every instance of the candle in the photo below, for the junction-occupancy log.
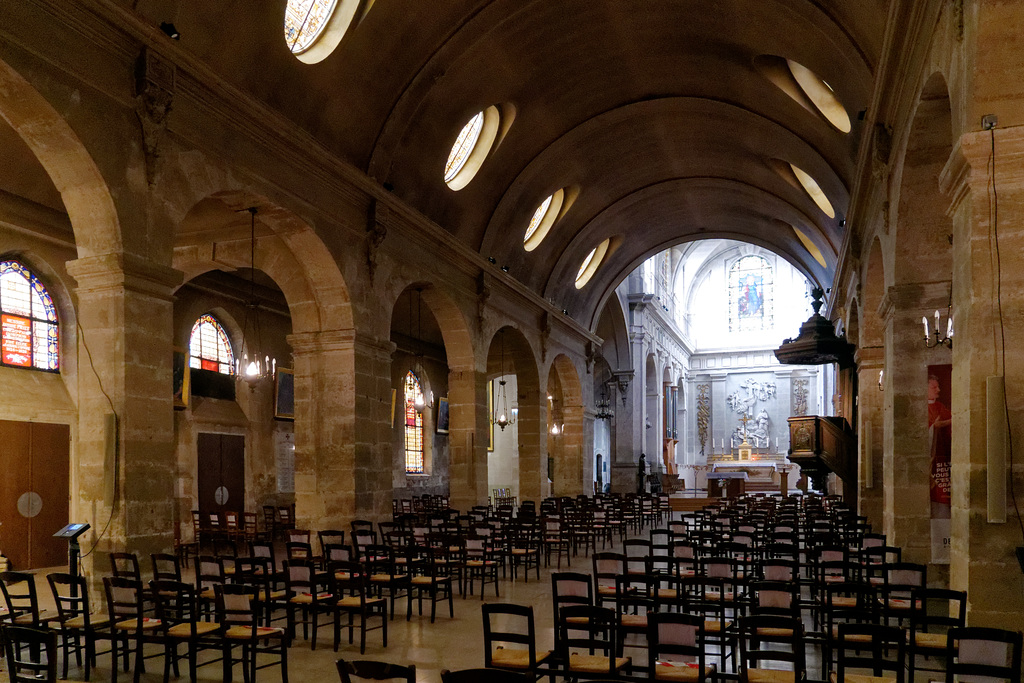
(924, 321)
(949, 326)
(937, 319)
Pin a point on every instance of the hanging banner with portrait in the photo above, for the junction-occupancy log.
(940, 421)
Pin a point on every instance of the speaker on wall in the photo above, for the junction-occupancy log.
(995, 447)
(110, 458)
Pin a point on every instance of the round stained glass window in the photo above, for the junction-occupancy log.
(538, 216)
(591, 263)
(463, 147)
(305, 21)
(543, 218)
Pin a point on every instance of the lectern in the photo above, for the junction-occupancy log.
(72, 532)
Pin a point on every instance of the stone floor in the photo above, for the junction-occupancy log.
(449, 643)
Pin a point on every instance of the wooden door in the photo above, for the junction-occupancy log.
(221, 460)
(34, 492)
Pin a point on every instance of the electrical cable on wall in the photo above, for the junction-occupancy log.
(117, 424)
(994, 220)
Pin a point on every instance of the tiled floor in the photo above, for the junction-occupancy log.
(449, 643)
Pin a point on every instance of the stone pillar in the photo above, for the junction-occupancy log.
(325, 428)
(982, 553)
(870, 432)
(621, 464)
(533, 442)
(569, 445)
(125, 311)
(468, 436)
(907, 462)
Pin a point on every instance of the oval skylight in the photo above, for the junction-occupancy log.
(591, 263)
(814, 191)
(313, 28)
(543, 218)
(471, 148)
(811, 247)
(821, 95)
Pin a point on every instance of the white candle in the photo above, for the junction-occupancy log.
(949, 326)
(924, 321)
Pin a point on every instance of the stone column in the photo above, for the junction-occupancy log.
(468, 435)
(326, 473)
(982, 553)
(569, 444)
(907, 462)
(870, 432)
(621, 464)
(125, 311)
(533, 442)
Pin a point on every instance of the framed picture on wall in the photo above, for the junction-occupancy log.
(442, 416)
(180, 376)
(490, 414)
(284, 394)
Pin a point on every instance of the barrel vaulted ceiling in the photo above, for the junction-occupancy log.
(664, 120)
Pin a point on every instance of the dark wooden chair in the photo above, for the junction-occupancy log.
(40, 664)
(375, 671)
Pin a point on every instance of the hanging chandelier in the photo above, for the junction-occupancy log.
(501, 414)
(557, 421)
(604, 408)
(253, 370)
(420, 404)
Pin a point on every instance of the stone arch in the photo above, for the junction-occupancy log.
(924, 229)
(873, 285)
(571, 468)
(922, 269)
(529, 429)
(652, 412)
(287, 249)
(214, 234)
(74, 173)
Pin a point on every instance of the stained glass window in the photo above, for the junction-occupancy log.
(538, 216)
(29, 338)
(209, 347)
(464, 144)
(750, 295)
(413, 425)
(586, 263)
(304, 21)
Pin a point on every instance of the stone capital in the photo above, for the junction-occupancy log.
(914, 297)
(106, 272)
(869, 357)
(319, 342)
(968, 166)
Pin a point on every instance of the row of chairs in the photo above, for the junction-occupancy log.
(771, 648)
(168, 613)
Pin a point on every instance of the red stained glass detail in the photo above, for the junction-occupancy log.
(17, 341)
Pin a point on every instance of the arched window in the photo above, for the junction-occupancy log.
(413, 425)
(209, 347)
(750, 295)
(30, 338)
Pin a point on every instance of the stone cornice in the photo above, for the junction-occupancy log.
(115, 29)
(124, 271)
